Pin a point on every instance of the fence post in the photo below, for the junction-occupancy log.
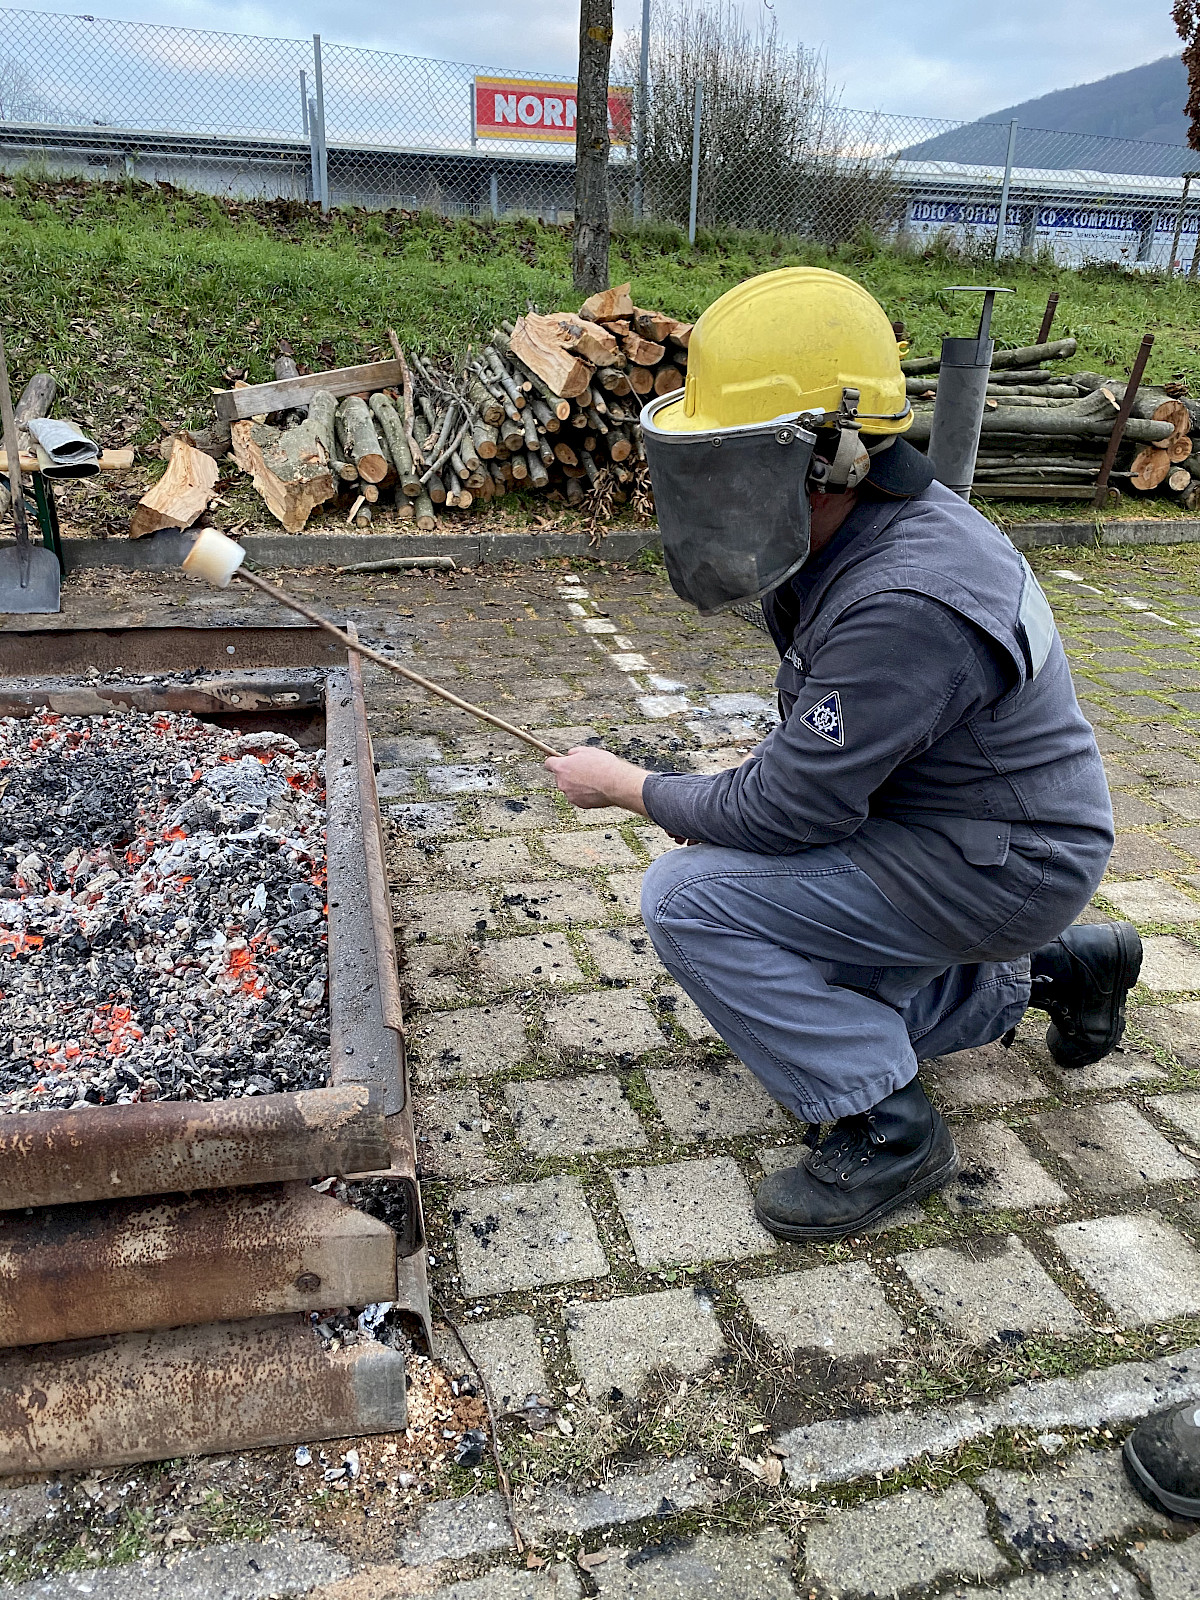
(643, 110)
(494, 194)
(322, 155)
(1002, 219)
(697, 109)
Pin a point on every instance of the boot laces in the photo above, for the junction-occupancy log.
(852, 1143)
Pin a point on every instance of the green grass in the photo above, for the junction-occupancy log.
(142, 300)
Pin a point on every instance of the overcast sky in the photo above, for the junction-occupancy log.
(942, 58)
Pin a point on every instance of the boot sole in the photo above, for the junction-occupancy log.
(1181, 1505)
(1066, 1052)
(796, 1233)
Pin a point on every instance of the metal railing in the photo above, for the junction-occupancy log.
(312, 120)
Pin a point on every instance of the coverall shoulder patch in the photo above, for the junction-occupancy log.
(825, 719)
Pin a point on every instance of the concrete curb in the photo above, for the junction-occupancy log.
(161, 552)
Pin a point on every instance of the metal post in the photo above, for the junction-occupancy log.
(494, 194)
(304, 100)
(314, 150)
(643, 112)
(1002, 219)
(1187, 184)
(322, 152)
(697, 109)
(961, 397)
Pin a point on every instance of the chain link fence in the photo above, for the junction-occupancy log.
(311, 120)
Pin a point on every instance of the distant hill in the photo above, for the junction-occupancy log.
(1144, 104)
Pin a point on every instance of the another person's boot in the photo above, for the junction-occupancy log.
(866, 1166)
(1162, 1457)
(1081, 980)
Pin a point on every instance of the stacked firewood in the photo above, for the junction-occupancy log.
(1046, 432)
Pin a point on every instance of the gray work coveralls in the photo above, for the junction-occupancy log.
(931, 808)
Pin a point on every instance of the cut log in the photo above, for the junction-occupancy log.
(404, 509)
(608, 303)
(619, 447)
(1150, 467)
(574, 490)
(392, 427)
(1051, 425)
(538, 343)
(545, 452)
(1028, 356)
(529, 425)
(370, 493)
(512, 435)
(614, 381)
(485, 437)
(361, 440)
(488, 407)
(538, 476)
(588, 462)
(215, 441)
(643, 352)
(423, 507)
(1179, 445)
(520, 466)
(1179, 479)
(566, 455)
(641, 379)
(435, 491)
(285, 367)
(289, 470)
(681, 336)
(546, 419)
(653, 325)
(180, 495)
(505, 379)
(667, 379)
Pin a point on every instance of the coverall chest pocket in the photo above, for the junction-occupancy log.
(789, 681)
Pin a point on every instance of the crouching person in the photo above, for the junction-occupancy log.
(893, 874)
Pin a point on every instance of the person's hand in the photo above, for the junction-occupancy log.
(590, 778)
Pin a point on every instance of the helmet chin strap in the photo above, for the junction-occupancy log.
(851, 460)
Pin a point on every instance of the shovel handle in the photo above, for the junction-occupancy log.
(13, 452)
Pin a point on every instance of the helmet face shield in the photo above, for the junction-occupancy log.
(732, 506)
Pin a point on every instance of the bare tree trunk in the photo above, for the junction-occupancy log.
(589, 257)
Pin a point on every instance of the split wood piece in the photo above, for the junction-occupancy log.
(681, 337)
(51, 1158)
(392, 427)
(643, 352)
(667, 379)
(289, 470)
(253, 400)
(179, 496)
(485, 436)
(538, 342)
(221, 1387)
(489, 408)
(559, 404)
(641, 379)
(587, 339)
(357, 429)
(283, 598)
(607, 304)
(68, 1271)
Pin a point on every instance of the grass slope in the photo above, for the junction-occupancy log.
(142, 300)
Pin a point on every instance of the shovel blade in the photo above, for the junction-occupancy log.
(31, 587)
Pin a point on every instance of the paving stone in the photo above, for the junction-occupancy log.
(488, 858)
(1172, 1570)
(1169, 964)
(23, 1507)
(1119, 1070)
(1187, 839)
(674, 1003)
(447, 914)
(998, 1173)
(617, 1344)
(1181, 1109)
(449, 1132)
(1068, 1510)
(1111, 1148)
(703, 1567)
(840, 1450)
(626, 887)
(433, 974)
(425, 819)
(715, 1101)
(1128, 810)
(557, 1582)
(468, 1043)
(1186, 802)
(987, 1076)
(997, 1289)
(518, 814)
(1139, 1265)
(1176, 1028)
(629, 1494)
(550, 902)
(510, 1353)
(590, 847)
(450, 1529)
(902, 1541)
(655, 842)
(464, 779)
(1141, 854)
(1152, 900)
(286, 1563)
(839, 1310)
(570, 1116)
(392, 783)
(522, 1235)
(405, 750)
(608, 1022)
(624, 956)
(1101, 1582)
(689, 1212)
(537, 959)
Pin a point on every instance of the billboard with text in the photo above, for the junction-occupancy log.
(544, 112)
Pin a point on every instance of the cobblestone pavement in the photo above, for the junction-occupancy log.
(936, 1406)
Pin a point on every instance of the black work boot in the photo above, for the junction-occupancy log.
(1162, 1457)
(866, 1166)
(1081, 979)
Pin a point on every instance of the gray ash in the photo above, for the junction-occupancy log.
(162, 911)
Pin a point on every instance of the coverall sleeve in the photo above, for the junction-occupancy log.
(904, 669)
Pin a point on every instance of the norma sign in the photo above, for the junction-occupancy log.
(524, 108)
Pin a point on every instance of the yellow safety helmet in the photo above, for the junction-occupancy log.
(786, 342)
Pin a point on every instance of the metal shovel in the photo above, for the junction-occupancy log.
(29, 575)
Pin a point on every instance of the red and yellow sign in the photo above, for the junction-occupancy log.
(524, 108)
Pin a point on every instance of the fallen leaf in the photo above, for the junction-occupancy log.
(595, 1558)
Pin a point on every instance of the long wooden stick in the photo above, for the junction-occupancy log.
(1121, 425)
(406, 399)
(281, 597)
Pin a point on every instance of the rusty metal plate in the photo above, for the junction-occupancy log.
(190, 1391)
(53, 1158)
(142, 650)
(70, 1272)
(212, 694)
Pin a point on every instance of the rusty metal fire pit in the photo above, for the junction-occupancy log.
(160, 1261)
